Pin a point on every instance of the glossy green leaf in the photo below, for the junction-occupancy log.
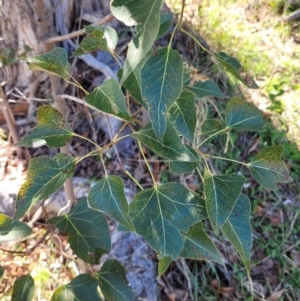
(221, 194)
(268, 168)
(98, 38)
(81, 288)
(163, 265)
(113, 283)
(109, 99)
(199, 246)
(44, 177)
(54, 62)
(23, 289)
(212, 126)
(161, 214)
(146, 13)
(52, 129)
(12, 230)
(237, 228)
(205, 88)
(161, 82)
(108, 196)
(88, 231)
(233, 66)
(183, 115)
(242, 115)
(165, 23)
(1, 272)
(173, 148)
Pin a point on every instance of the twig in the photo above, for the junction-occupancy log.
(77, 33)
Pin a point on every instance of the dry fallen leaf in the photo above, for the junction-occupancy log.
(276, 295)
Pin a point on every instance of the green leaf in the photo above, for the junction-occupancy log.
(44, 177)
(12, 230)
(54, 62)
(221, 194)
(242, 115)
(183, 115)
(1, 272)
(81, 288)
(88, 231)
(108, 196)
(238, 228)
(268, 168)
(161, 82)
(199, 246)
(66, 164)
(98, 38)
(52, 129)
(161, 214)
(163, 264)
(212, 126)
(173, 148)
(206, 88)
(146, 13)
(113, 283)
(109, 99)
(23, 289)
(233, 66)
(165, 23)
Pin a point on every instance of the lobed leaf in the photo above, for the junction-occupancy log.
(172, 148)
(109, 98)
(205, 88)
(242, 115)
(161, 214)
(237, 228)
(88, 231)
(108, 196)
(183, 115)
(161, 82)
(98, 38)
(12, 230)
(23, 289)
(221, 194)
(81, 288)
(199, 246)
(44, 177)
(268, 168)
(52, 129)
(54, 62)
(113, 283)
(163, 265)
(234, 67)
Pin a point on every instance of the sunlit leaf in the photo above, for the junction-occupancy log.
(161, 82)
(242, 115)
(98, 38)
(108, 196)
(165, 23)
(183, 115)
(199, 246)
(212, 126)
(234, 67)
(23, 289)
(88, 231)
(52, 128)
(109, 98)
(113, 283)
(237, 228)
(221, 193)
(44, 177)
(161, 214)
(205, 88)
(81, 288)
(12, 230)
(268, 168)
(173, 148)
(163, 265)
(54, 62)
